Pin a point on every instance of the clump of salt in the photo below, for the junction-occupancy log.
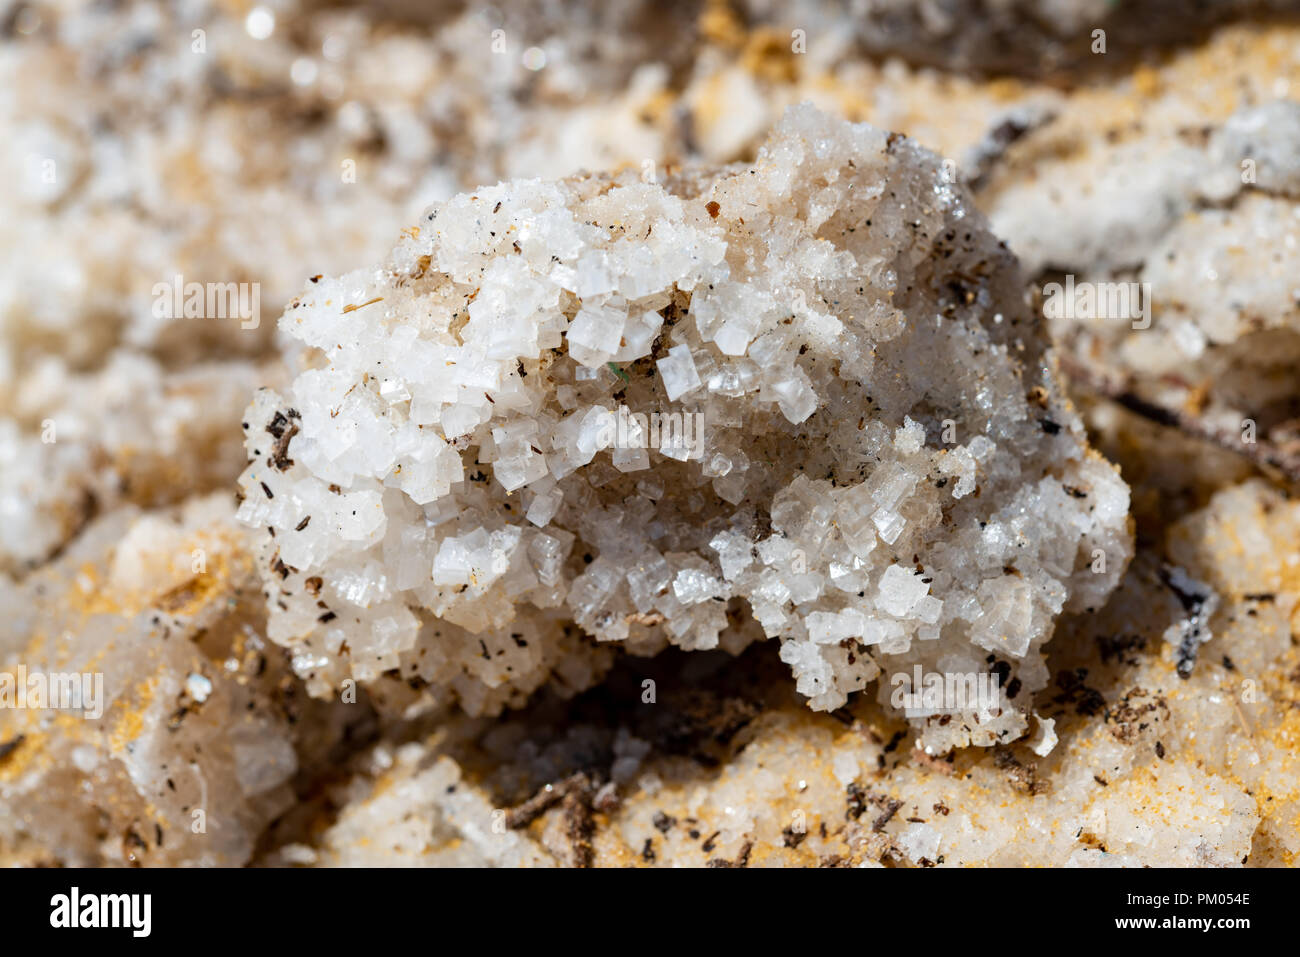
(567, 416)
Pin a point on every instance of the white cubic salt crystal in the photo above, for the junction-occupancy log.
(888, 524)
(735, 553)
(825, 628)
(900, 591)
(543, 508)
(633, 458)
(881, 631)
(1044, 738)
(520, 469)
(595, 333)
(692, 586)
(639, 334)
(927, 609)
(198, 687)
(678, 372)
(795, 396)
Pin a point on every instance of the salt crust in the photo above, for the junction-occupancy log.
(203, 727)
(440, 501)
(76, 445)
(1208, 225)
(158, 545)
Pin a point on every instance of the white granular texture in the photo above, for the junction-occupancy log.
(1209, 232)
(877, 465)
(75, 445)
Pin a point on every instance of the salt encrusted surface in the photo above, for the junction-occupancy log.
(114, 95)
(439, 486)
(77, 445)
(1137, 765)
(1207, 223)
(422, 813)
(203, 727)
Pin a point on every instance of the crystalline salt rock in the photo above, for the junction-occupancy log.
(556, 438)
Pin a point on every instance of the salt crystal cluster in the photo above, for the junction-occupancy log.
(465, 490)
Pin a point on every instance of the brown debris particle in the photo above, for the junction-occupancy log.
(1138, 710)
(1072, 690)
(859, 799)
(282, 427)
(578, 824)
(1021, 777)
(521, 815)
(10, 746)
(363, 305)
(742, 859)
